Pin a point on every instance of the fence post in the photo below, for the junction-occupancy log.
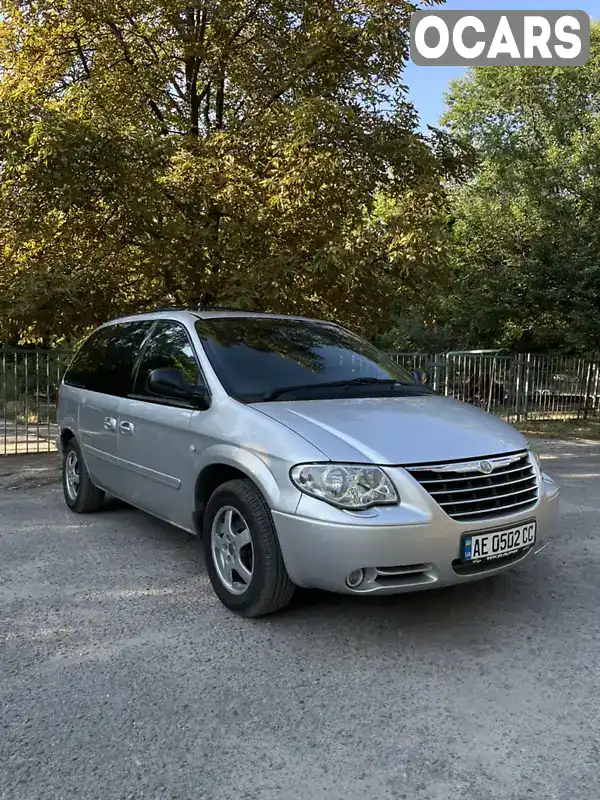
(588, 386)
(596, 382)
(438, 361)
(518, 387)
(526, 387)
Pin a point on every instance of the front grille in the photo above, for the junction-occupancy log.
(467, 493)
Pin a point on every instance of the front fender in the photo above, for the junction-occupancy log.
(67, 423)
(270, 474)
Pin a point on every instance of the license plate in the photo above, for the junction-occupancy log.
(498, 544)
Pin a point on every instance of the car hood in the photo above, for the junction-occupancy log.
(396, 430)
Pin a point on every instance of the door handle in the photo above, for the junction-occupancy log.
(110, 423)
(126, 428)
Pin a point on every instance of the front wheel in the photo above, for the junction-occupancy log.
(242, 552)
(80, 493)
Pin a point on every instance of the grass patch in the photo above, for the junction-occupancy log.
(562, 428)
(31, 413)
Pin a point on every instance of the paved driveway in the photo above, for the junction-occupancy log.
(121, 676)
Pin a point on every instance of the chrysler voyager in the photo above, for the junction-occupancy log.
(300, 456)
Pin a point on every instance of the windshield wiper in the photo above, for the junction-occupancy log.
(273, 395)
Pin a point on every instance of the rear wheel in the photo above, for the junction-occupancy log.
(242, 552)
(80, 493)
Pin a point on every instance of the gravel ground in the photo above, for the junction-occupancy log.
(121, 676)
(29, 471)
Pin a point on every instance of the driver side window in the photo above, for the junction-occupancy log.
(169, 348)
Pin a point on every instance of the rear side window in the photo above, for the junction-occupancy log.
(169, 347)
(106, 361)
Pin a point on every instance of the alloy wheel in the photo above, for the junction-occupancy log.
(72, 475)
(232, 550)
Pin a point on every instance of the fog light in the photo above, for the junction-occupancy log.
(354, 580)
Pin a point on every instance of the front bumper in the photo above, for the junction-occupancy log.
(398, 555)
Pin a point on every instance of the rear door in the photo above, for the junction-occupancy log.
(100, 376)
(154, 435)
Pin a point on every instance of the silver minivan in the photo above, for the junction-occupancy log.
(299, 454)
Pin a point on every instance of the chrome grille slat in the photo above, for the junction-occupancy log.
(469, 466)
(501, 508)
(467, 476)
(483, 488)
(470, 496)
(493, 497)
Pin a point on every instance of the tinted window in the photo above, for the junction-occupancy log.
(106, 361)
(168, 347)
(254, 356)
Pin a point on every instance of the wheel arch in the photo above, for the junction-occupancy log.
(223, 464)
(66, 435)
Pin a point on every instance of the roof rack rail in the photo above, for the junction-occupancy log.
(167, 308)
(193, 307)
(223, 308)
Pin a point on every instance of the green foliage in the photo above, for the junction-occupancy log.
(526, 253)
(256, 154)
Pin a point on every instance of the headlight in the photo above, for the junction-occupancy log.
(350, 487)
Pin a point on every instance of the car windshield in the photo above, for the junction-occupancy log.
(268, 358)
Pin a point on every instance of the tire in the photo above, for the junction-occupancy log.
(238, 517)
(80, 495)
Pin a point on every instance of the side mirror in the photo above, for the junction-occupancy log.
(172, 383)
(420, 376)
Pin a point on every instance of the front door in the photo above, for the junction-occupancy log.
(154, 432)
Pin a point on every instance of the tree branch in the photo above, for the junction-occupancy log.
(191, 81)
(82, 57)
(284, 87)
(153, 105)
(140, 35)
(220, 101)
(207, 108)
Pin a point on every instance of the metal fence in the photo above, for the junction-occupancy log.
(516, 387)
(29, 380)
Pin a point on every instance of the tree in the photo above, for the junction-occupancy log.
(251, 153)
(526, 254)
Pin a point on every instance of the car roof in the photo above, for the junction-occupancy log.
(184, 315)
